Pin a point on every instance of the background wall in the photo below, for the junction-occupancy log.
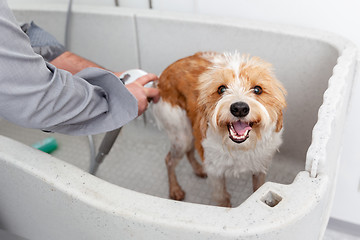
(338, 16)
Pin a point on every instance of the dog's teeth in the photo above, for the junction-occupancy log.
(235, 136)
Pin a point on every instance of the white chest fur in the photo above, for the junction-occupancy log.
(219, 160)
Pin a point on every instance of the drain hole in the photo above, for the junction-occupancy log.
(271, 199)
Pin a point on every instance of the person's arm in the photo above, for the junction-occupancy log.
(74, 63)
(46, 45)
(36, 94)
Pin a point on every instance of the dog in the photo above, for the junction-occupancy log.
(227, 106)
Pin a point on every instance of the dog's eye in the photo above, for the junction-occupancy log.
(258, 90)
(221, 89)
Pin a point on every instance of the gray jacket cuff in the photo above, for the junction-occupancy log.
(122, 105)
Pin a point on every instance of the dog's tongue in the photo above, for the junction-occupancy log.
(241, 127)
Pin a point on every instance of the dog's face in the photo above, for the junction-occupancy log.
(241, 99)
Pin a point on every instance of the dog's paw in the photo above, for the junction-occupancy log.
(223, 199)
(201, 174)
(177, 193)
(225, 203)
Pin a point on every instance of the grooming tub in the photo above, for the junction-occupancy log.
(46, 196)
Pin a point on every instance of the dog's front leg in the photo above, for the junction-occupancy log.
(197, 167)
(220, 195)
(258, 180)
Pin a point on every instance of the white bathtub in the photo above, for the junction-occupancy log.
(43, 197)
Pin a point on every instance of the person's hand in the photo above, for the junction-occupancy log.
(144, 94)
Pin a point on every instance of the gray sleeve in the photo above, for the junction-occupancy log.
(35, 94)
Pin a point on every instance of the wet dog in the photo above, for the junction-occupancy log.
(227, 106)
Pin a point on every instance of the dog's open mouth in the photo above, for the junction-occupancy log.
(239, 131)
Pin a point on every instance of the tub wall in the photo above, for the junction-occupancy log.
(109, 38)
(86, 34)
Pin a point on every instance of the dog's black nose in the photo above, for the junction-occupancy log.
(239, 109)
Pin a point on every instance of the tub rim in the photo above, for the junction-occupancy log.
(61, 177)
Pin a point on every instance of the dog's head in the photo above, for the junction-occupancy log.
(241, 98)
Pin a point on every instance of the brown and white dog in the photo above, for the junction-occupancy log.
(229, 107)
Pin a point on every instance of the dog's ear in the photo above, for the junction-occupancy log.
(281, 105)
(279, 123)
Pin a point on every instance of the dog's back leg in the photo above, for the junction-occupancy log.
(181, 142)
(175, 122)
(175, 190)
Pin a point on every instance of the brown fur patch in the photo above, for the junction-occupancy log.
(178, 86)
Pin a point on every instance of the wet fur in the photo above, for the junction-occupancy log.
(196, 116)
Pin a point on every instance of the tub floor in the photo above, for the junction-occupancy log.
(136, 162)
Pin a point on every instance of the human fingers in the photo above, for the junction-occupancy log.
(153, 94)
(146, 79)
(139, 93)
